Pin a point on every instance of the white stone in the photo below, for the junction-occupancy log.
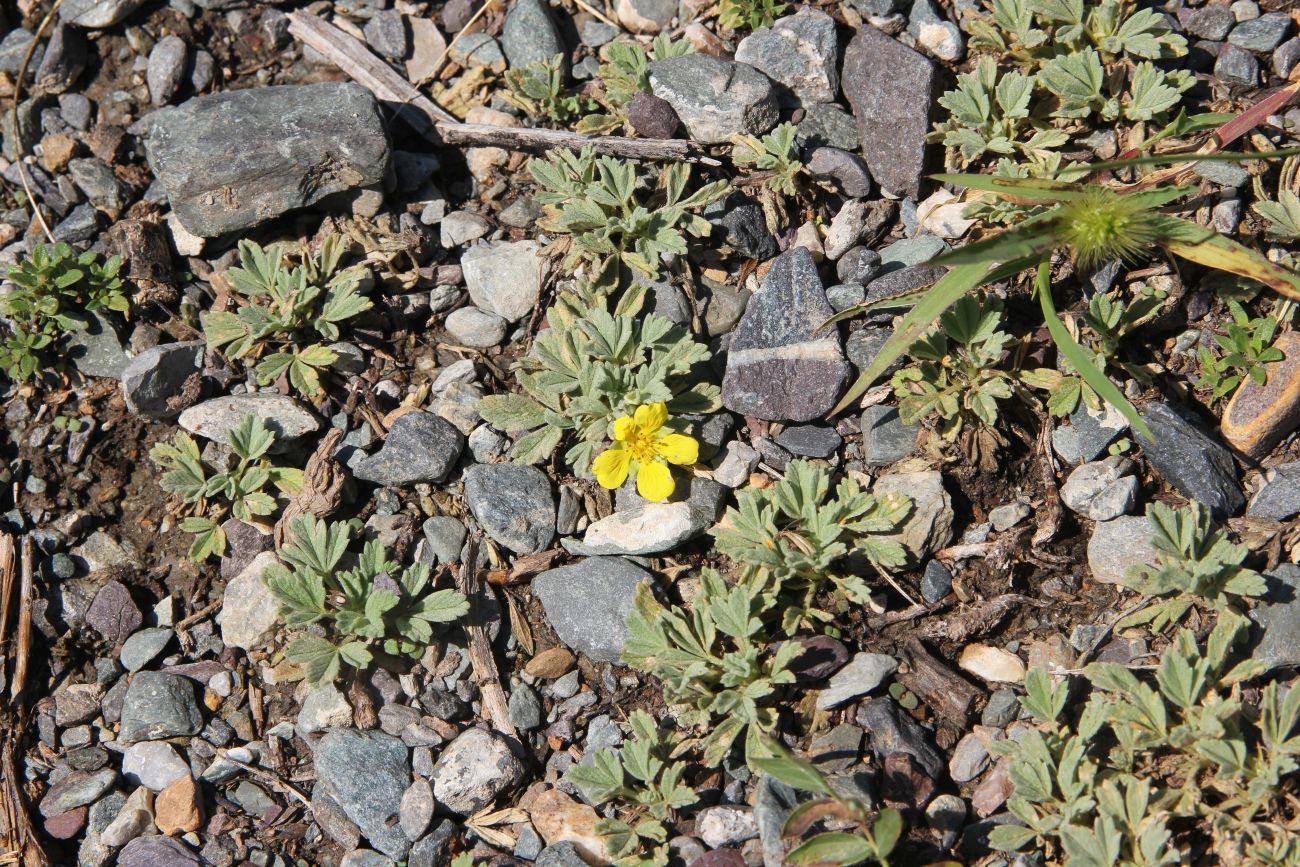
(846, 228)
(185, 242)
(726, 825)
(992, 664)
(284, 416)
(323, 708)
(649, 529)
(505, 278)
(249, 612)
(135, 819)
(154, 765)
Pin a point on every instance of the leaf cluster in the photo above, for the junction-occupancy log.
(238, 485)
(593, 366)
(775, 153)
(796, 537)
(52, 291)
(283, 311)
(351, 607)
(624, 74)
(715, 662)
(749, 14)
(643, 775)
(1247, 347)
(616, 223)
(538, 89)
(1112, 786)
(1195, 562)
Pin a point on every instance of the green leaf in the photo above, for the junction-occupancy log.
(512, 413)
(318, 657)
(831, 847)
(794, 772)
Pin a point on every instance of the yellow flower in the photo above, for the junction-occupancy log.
(640, 443)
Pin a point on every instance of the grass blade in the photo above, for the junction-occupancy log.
(1030, 190)
(1213, 250)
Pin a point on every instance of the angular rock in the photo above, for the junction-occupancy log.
(886, 438)
(865, 672)
(505, 278)
(65, 59)
(725, 825)
(1191, 460)
(97, 14)
(645, 16)
(475, 328)
(113, 613)
(1261, 34)
(846, 168)
(141, 648)
(780, 367)
(513, 503)
(893, 731)
(157, 851)
(1258, 416)
(1102, 490)
(159, 706)
(249, 613)
(417, 809)
(99, 350)
(420, 447)
(1089, 433)
(649, 529)
(367, 773)
(474, 768)
(1117, 545)
(929, 526)
(77, 789)
(284, 416)
(297, 145)
(809, 441)
(891, 89)
(587, 604)
(388, 33)
(799, 51)
(156, 375)
(715, 98)
(936, 34)
(1279, 498)
(154, 765)
(166, 71)
(992, 664)
(1236, 65)
(1279, 619)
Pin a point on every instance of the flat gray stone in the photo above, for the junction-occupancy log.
(1117, 545)
(233, 160)
(249, 613)
(929, 526)
(159, 706)
(97, 14)
(1190, 459)
(505, 278)
(865, 672)
(156, 375)
(530, 34)
(715, 98)
(420, 447)
(514, 504)
(1279, 498)
(886, 438)
(587, 604)
(284, 416)
(649, 529)
(473, 770)
(367, 773)
(799, 51)
(1279, 619)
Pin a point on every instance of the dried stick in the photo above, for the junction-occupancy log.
(28, 567)
(440, 127)
(8, 562)
(480, 649)
(17, 121)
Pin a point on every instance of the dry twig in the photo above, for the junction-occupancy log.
(480, 648)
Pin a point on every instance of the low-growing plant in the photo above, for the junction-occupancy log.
(538, 89)
(613, 224)
(775, 153)
(592, 367)
(989, 113)
(53, 290)
(642, 775)
(1247, 347)
(876, 833)
(365, 604)
(1283, 215)
(796, 539)
(283, 311)
(645, 444)
(715, 662)
(1149, 775)
(1195, 563)
(749, 14)
(238, 487)
(624, 74)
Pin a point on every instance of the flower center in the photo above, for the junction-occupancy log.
(641, 444)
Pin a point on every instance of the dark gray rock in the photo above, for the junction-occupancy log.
(389, 34)
(587, 604)
(444, 538)
(421, 447)
(99, 350)
(65, 59)
(893, 731)
(715, 98)
(886, 438)
(76, 110)
(779, 365)
(1212, 22)
(809, 440)
(514, 504)
(826, 124)
(297, 145)
(432, 850)
(76, 790)
(936, 581)
(1089, 433)
(745, 229)
(156, 375)
(1236, 65)
(97, 14)
(367, 773)
(13, 48)
(1285, 57)
(159, 706)
(1191, 460)
(167, 67)
(530, 34)
(858, 265)
(1279, 498)
(473, 769)
(848, 170)
(1261, 34)
(1279, 619)
(845, 296)
(798, 51)
(97, 181)
(562, 854)
(652, 117)
(891, 89)
(899, 281)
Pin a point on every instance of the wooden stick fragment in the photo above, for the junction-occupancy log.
(441, 127)
(27, 570)
(495, 706)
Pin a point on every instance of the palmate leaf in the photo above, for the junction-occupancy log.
(209, 538)
(318, 657)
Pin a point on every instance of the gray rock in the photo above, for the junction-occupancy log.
(389, 34)
(477, 49)
(249, 613)
(159, 706)
(893, 731)
(99, 350)
(826, 124)
(936, 581)
(298, 144)
(1117, 545)
(417, 809)
(474, 768)
(779, 365)
(799, 51)
(13, 49)
(154, 765)
(475, 328)
(891, 89)
(98, 182)
(946, 814)
(1001, 709)
(649, 529)
(595, 33)
(514, 504)
(97, 14)
(366, 858)
(140, 649)
(1007, 515)
(1279, 498)
(64, 61)
(1211, 22)
(432, 850)
(505, 278)
(865, 672)
(530, 34)
(1089, 433)
(1236, 65)
(1187, 457)
(1102, 490)
(774, 801)
(587, 604)
(645, 16)
(157, 851)
(562, 854)
(1285, 57)
(846, 168)
(809, 440)
(367, 773)
(444, 538)
(156, 375)
(969, 758)
(746, 230)
(886, 438)
(77, 789)
(166, 71)
(936, 34)
(525, 708)
(893, 283)
(1279, 619)
(462, 227)
(1261, 34)
(421, 447)
(284, 416)
(715, 98)
(929, 526)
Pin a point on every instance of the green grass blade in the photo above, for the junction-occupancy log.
(942, 295)
(1078, 358)
(1213, 250)
(1192, 157)
(1025, 189)
(1032, 238)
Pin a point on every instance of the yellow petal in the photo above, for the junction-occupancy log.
(623, 427)
(654, 481)
(610, 467)
(678, 449)
(651, 417)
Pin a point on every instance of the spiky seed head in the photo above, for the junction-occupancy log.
(1106, 225)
